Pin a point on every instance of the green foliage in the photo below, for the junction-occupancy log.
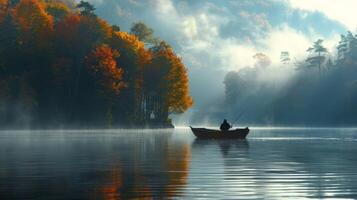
(342, 47)
(116, 28)
(86, 8)
(284, 96)
(318, 54)
(144, 34)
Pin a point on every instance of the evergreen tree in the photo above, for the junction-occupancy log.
(87, 9)
(317, 55)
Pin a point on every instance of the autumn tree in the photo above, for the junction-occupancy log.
(106, 77)
(3, 9)
(58, 10)
(103, 66)
(167, 81)
(35, 23)
(71, 71)
(79, 34)
(133, 58)
(33, 44)
(75, 38)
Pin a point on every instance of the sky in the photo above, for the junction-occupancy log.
(217, 36)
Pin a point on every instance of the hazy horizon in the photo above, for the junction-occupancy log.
(217, 37)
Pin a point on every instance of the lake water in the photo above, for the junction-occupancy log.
(270, 164)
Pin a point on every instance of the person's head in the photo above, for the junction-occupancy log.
(224, 120)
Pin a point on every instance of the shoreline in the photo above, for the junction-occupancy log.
(159, 128)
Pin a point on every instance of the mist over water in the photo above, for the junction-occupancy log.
(273, 163)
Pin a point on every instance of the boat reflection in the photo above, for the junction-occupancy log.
(225, 146)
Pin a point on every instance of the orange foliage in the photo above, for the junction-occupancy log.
(4, 2)
(57, 9)
(68, 28)
(135, 53)
(63, 43)
(132, 45)
(103, 65)
(175, 80)
(104, 27)
(78, 31)
(3, 9)
(34, 21)
(179, 99)
(130, 41)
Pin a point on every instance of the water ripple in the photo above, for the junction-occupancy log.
(271, 164)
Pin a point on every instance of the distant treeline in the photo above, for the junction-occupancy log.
(318, 90)
(60, 64)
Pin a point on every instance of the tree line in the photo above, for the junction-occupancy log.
(62, 64)
(319, 89)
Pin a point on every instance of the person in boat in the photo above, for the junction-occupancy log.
(225, 126)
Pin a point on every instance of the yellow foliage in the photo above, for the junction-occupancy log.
(130, 41)
(57, 9)
(105, 28)
(175, 81)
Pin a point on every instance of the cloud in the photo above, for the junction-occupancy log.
(226, 34)
(214, 37)
(164, 7)
(343, 11)
(122, 12)
(285, 38)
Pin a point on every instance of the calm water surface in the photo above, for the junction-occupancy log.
(172, 164)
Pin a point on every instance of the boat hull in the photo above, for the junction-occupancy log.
(203, 133)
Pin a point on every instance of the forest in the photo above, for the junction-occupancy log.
(63, 66)
(319, 89)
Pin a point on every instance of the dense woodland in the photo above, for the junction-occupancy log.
(61, 64)
(318, 90)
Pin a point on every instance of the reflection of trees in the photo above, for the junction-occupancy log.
(178, 166)
(110, 191)
(152, 168)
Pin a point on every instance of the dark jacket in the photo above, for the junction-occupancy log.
(225, 126)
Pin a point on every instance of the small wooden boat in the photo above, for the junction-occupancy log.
(203, 133)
